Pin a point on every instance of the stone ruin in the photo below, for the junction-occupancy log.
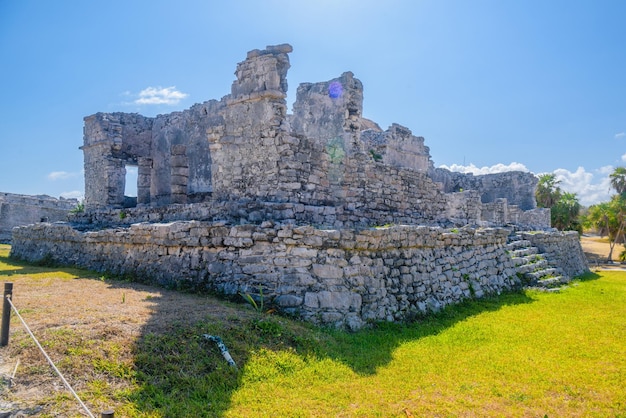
(325, 162)
(336, 220)
(19, 209)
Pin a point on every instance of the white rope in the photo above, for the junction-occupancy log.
(67, 385)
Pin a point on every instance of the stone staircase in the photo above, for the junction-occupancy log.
(532, 267)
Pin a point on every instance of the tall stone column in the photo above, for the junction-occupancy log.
(105, 168)
(115, 181)
(180, 173)
(144, 168)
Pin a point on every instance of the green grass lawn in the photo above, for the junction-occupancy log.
(521, 354)
(529, 354)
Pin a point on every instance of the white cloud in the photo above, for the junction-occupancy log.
(590, 187)
(62, 175)
(160, 95)
(498, 168)
(74, 194)
(620, 135)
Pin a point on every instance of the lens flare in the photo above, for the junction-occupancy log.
(335, 90)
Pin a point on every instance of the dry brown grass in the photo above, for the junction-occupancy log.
(68, 311)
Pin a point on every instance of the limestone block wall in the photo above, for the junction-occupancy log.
(396, 197)
(464, 207)
(501, 213)
(246, 152)
(517, 187)
(561, 249)
(397, 146)
(337, 277)
(111, 140)
(17, 210)
(538, 218)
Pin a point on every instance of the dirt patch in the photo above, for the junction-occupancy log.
(87, 314)
(597, 250)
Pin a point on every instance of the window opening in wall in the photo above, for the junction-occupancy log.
(130, 186)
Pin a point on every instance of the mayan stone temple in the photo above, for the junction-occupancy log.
(336, 220)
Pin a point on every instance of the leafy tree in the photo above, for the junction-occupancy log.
(609, 218)
(564, 213)
(564, 207)
(548, 192)
(600, 218)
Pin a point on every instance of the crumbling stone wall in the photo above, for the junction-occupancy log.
(112, 140)
(499, 212)
(515, 186)
(335, 277)
(246, 147)
(398, 147)
(171, 153)
(17, 210)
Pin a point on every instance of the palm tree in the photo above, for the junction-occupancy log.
(548, 191)
(618, 180)
(565, 212)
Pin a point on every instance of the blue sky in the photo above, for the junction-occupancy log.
(535, 85)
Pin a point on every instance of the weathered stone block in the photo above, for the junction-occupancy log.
(326, 271)
(288, 301)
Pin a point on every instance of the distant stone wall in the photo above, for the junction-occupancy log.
(561, 249)
(17, 210)
(335, 277)
(465, 208)
(517, 187)
(500, 212)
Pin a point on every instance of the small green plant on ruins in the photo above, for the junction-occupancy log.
(258, 306)
(79, 208)
(376, 156)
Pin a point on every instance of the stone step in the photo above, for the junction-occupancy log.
(521, 243)
(523, 252)
(539, 263)
(538, 274)
(550, 283)
(535, 260)
(532, 267)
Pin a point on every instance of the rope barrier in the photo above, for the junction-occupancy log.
(67, 385)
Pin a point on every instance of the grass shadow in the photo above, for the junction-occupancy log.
(15, 267)
(591, 275)
(371, 348)
(182, 374)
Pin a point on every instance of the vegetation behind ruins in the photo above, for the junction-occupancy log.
(140, 351)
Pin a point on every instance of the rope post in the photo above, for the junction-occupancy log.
(6, 314)
(107, 414)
